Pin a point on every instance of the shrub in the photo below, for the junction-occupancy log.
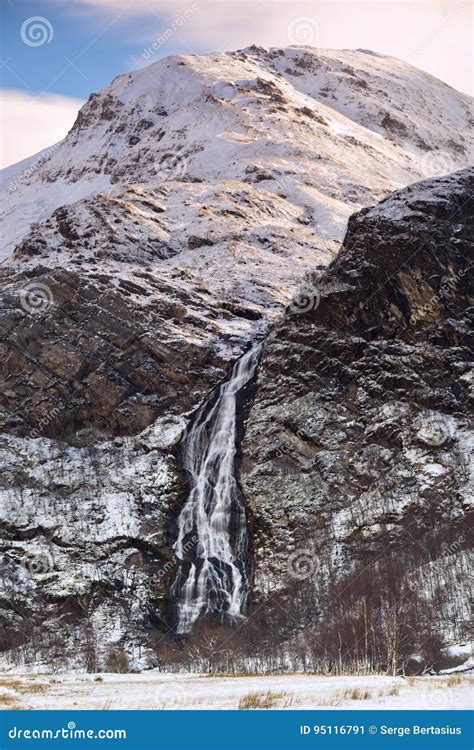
(117, 661)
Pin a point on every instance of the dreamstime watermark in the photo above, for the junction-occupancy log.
(302, 564)
(46, 420)
(437, 699)
(70, 732)
(38, 564)
(441, 565)
(29, 171)
(433, 429)
(303, 30)
(438, 29)
(447, 290)
(171, 166)
(437, 164)
(36, 31)
(452, 548)
(170, 31)
(170, 695)
(169, 566)
(36, 298)
(306, 298)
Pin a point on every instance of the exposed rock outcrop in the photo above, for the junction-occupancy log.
(358, 442)
(172, 230)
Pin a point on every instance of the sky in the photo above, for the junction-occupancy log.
(55, 53)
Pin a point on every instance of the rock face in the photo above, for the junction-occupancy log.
(149, 250)
(86, 565)
(146, 252)
(98, 362)
(357, 448)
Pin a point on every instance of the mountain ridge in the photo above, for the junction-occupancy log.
(192, 223)
(254, 77)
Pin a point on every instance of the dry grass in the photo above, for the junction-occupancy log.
(256, 675)
(10, 701)
(11, 685)
(358, 694)
(35, 688)
(21, 691)
(270, 699)
(453, 681)
(339, 696)
(226, 675)
(171, 704)
(22, 688)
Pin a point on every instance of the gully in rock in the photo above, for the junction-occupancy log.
(213, 521)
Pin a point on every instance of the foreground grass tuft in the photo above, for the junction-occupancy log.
(270, 699)
(358, 694)
(453, 681)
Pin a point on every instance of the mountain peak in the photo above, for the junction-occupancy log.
(202, 118)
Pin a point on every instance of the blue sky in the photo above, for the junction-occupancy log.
(86, 43)
(89, 46)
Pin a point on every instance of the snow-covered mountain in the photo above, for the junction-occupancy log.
(238, 169)
(142, 254)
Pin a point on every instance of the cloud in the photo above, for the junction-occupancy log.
(419, 32)
(31, 123)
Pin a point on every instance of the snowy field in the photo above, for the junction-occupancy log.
(155, 690)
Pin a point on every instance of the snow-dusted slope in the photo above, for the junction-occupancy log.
(172, 225)
(390, 97)
(228, 175)
(332, 130)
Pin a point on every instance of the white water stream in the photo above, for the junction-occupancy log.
(212, 522)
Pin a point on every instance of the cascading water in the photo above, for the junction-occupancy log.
(212, 523)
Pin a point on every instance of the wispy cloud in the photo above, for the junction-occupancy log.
(419, 32)
(52, 116)
(393, 27)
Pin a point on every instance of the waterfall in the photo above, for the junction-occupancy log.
(212, 524)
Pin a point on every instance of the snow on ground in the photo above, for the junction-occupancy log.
(155, 690)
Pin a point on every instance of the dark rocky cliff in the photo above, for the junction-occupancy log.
(354, 468)
(356, 454)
